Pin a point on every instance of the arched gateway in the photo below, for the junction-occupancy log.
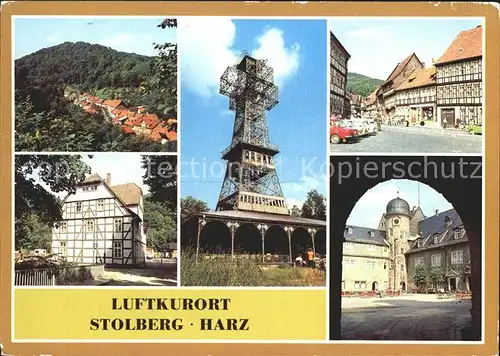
(463, 189)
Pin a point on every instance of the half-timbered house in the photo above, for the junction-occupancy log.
(102, 223)
(459, 80)
(387, 93)
(416, 96)
(339, 103)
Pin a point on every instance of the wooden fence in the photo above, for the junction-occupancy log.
(35, 277)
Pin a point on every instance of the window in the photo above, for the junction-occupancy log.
(402, 268)
(457, 257)
(100, 204)
(371, 264)
(360, 285)
(90, 225)
(117, 250)
(436, 239)
(78, 206)
(63, 226)
(348, 263)
(371, 247)
(419, 243)
(349, 245)
(402, 251)
(419, 261)
(63, 248)
(457, 234)
(436, 260)
(396, 222)
(349, 230)
(118, 225)
(448, 222)
(391, 231)
(385, 265)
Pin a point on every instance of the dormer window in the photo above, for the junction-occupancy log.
(372, 233)
(349, 230)
(448, 221)
(436, 239)
(419, 243)
(457, 234)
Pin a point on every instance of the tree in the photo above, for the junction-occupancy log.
(420, 277)
(436, 277)
(295, 211)
(191, 206)
(315, 206)
(59, 174)
(160, 224)
(161, 177)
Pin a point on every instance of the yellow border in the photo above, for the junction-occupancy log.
(172, 9)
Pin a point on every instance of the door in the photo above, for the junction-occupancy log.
(448, 117)
(453, 284)
(374, 286)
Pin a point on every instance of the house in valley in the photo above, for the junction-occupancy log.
(102, 224)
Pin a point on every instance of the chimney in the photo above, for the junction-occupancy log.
(108, 178)
(437, 212)
(423, 64)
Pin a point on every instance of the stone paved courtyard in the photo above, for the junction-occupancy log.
(412, 317)
(398, 139)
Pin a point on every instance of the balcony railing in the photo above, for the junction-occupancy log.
(268, 146)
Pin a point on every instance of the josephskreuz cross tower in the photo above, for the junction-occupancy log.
(250, 182)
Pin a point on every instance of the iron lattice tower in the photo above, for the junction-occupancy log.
(251, 182)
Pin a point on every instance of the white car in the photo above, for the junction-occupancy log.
(372, 128)
(361, 126)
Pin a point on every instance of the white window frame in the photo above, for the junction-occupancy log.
(100, 204)
(118, 225)
(436, 239)
(457, 234)
(457, 257)
(436, 260)
(89, 226)
(117, 247)
(63, 248)
(79, 206)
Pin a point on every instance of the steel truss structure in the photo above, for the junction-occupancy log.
(250, 182)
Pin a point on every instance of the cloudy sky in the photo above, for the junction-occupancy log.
(297, 52)
(377, 45)
(370, 207)
(133, 35)
(124, 168)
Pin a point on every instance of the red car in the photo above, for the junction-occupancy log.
(340, 132)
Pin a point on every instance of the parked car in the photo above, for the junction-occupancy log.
(360, 126)
(372, 128)
(340, 132)
(475, 129)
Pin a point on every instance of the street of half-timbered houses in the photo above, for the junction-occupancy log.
(102, 224)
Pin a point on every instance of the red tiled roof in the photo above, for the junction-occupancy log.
(419, 78)
(468, 44)
(370, 100)
(127, 130)
(172, 135)
(134, 120)
(399, 68)
(151, 120)
(112, 103)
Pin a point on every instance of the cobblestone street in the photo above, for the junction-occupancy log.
(416, 317)
(398, 139)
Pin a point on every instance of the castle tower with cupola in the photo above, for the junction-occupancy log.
(397, 228)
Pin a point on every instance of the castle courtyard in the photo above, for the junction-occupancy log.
(409, 317)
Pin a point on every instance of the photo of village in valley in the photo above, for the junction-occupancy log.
(406, 85)
(95, 84)
(95, 220)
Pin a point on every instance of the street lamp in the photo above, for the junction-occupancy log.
(201, 223)
(289, 231)
(233, 226)
(262, 228)
(312, 232)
